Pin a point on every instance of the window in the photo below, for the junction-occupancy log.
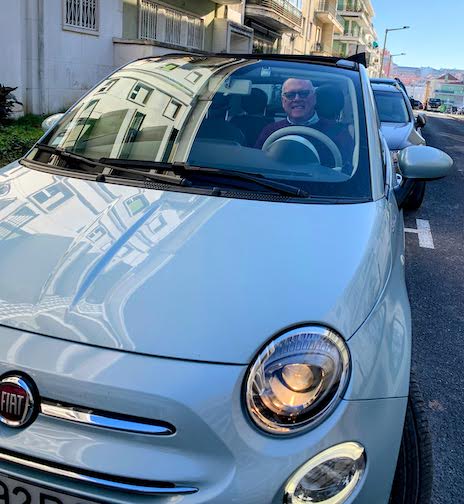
(81, 15)
(140, 93)
(391, 107)
(52, 196)
(226, 123)
(107, 85)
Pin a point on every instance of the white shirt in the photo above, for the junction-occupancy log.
(312, 120)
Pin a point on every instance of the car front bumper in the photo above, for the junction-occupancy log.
(215, 449)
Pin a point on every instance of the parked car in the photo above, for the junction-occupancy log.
(434, 104)
(396, 81)
(400, 129)
(191, 317)
(450, 109)
(416, 104)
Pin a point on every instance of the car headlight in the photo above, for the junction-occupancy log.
(297, 380)
(329, 478)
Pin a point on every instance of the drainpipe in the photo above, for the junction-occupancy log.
(40, 56)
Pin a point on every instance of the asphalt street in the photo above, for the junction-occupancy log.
(435, 279)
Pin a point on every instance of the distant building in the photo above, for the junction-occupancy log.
(449, 89)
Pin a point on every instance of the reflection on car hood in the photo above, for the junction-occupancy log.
(181, 275)
(401, 135)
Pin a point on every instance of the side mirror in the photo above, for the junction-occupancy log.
(421, 120)
(51, 121)
(425, 163)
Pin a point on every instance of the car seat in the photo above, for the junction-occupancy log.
(254, 121)
(215, 127)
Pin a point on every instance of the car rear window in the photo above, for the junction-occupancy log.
(391, 107)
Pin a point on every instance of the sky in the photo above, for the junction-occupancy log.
(435, 38)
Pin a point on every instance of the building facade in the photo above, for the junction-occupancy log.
(448, 89)
(56, 50)
(358, 34)
(275, 23)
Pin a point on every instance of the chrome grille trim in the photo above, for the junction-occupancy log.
(106, 420)
(129, 485)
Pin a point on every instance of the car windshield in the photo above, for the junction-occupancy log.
(391, 106)
(296, 123)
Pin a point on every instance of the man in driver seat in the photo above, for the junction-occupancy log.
(299, 101)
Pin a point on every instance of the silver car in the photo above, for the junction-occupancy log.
(401, 129)
(202, 295)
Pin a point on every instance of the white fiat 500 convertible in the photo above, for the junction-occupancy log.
(202, 293)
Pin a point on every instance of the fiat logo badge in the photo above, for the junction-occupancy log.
(17, 402)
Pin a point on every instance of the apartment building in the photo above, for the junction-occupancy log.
(327, 24)
(293, 26)
(276, 24)
(358, 32)
(55, 50)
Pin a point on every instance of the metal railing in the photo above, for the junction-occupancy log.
(318, 47)
(282, 7)
(325, 6)
(81, 14)
(351, 6)
(163, 24)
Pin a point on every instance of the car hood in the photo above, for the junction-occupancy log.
(401, 135)
(181, 275)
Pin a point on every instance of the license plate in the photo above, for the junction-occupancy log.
(13, 491)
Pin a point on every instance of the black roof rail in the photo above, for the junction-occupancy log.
(307, 58)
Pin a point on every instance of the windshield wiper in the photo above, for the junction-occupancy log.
(107, 169)
(257, 179)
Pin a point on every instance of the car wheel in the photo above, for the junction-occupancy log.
(414, 471)
(416, 196)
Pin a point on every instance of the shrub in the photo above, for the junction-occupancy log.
(7, 102)
(17, 137)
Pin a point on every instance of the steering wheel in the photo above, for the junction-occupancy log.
(310, 132)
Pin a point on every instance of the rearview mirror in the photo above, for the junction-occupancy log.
(421, 120)
(425, 163)
(51, 121)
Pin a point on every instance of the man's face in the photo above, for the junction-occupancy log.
(298, 99)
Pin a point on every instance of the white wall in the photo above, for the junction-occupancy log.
(75, 61)
(13, 44)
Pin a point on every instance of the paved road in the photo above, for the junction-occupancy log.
(435, 280)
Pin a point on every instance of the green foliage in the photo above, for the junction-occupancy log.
(17, 137)
(7, 102)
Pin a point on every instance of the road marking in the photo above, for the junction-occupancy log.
(424, 232)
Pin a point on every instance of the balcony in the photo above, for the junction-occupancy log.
(160, 23)
(354, 37)
(320, 49)
(327, 14)
(279, 15)
(356, 13)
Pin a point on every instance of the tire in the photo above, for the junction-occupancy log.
(413, 479)
(416, 196)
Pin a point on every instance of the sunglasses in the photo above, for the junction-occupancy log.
(291, 95)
